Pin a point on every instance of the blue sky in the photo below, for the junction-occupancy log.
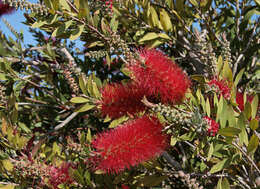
(16, 19)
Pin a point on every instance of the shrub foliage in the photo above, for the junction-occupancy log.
(131, 94)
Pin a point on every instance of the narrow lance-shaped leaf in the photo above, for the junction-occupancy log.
(148, 36)
(85, 108)
(165, 20)
(253, 144)
(229, 131)
(254, 106)
(79, 100)
(76, 33)
(220, 165)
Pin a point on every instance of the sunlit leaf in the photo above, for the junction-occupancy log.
(76, 33)
(220, 165)
(79, 100)
(118, 121)
(229, 131)
(254, 106)
(85, 108)
(149, 36)
(165, 20)
(253, 144)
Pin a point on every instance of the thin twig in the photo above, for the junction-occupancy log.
(249, 158)
(39, 105)
(9, 183)
(66, 121)
(72, 6)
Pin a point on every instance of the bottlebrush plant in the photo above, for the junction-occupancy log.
(130, 94)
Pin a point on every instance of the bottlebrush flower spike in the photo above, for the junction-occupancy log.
(119, 99)
(60, 175)
(240, 100)
(160, 76)
(128, 145)
(5, 9)
(222, 87)
(213, 126)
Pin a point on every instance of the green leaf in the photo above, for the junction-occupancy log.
(204, 3)
(239, 76)
(154, 17)
(9, 186)
(48, 4)
(104, 26)
(257, 2)
(165, 20)
(219, 64)
(83, 9)
(82, 84)
(55, 148)
(220, 107)
(164, 36)
(253, 124)
(78, 177)
(76, 33)
(59, 30)
(85, 108)
(79, 100)
(208, 107)
(211, 150)
(253, 143)
(220, 165)
(114, 24)
(219, 184)
(2, 77)
(248, 110)
(194, 2)
(149, 36)
(254, 106)
(180, 5)
(241, 123)
(231, 116)
(55, 4)
(96, 91)
(65, 5)
(117, 122)
(38, 24)
(173, 140)
(225, 184)
(89, 137)
(24, 127)
(7, 165)
(154, 43)
(227, 72)
(229, 131)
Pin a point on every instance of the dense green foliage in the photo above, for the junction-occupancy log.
(50, 91)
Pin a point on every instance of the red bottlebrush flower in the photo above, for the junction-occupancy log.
(213, 126)
(60, 175)
(128, 145)
(240, 100)
(222, 87)
(5, 9)
(119, 99)
(109, 4)
(125, 186)
(160, 76)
